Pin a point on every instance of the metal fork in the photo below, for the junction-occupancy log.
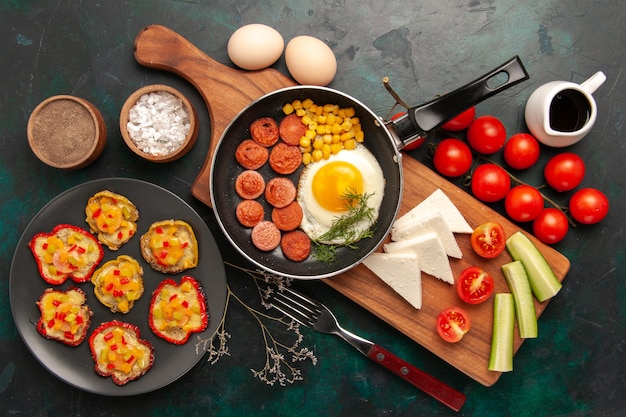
(313, 314)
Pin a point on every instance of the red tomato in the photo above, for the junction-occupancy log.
(486, 134)
(452, 324)
(488, 239)
(550, 226)
(589, 206)
(474, 285)
(452, 158)
(490, 183)
(461, 121)
(523, 203)
(564, 171)
(521, 151)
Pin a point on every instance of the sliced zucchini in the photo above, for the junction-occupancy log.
(543, 281)
(517, 279)
(501, 357)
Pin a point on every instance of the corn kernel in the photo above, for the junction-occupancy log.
(306, 158)
(326, 151)
(336, 129)
(305, 142)
(336, 147)
(350, 144)
(320, 129)
(349, 112)
(307, 103)
(300, 112)
(347, 135)
(317, 155)
(288, 108)
(306, 119)
(359, 136)
(346, 125)
(327, 138)
(336, 138)
(321, 119)
(317, 143)
(312, 125)
(296, 104)
(311, 134)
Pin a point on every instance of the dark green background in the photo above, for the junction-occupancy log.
(575, 368)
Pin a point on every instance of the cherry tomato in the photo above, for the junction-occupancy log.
(474, 285)
(521, 151)
(490, 183)
(413, 145)
(486, 134)
(589, 206)
(550, 226)
(452, 158)
(452, 324)
(564, 171)
(488, 239)
(461, 121)
(523, 203)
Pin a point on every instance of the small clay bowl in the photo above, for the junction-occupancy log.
(66, 132)
(185, 145)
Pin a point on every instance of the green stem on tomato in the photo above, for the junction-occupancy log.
(520, 182)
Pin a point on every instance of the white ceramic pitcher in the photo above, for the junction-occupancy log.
(560, 113)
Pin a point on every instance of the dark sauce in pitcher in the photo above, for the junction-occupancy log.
(569, 111)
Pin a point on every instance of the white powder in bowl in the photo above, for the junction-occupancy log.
(158, 123)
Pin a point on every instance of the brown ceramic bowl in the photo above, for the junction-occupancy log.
(66, 132)
(173, 153)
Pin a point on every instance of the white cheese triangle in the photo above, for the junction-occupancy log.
(401, 271)
(438, 201)
(432, 255)
(429, 223)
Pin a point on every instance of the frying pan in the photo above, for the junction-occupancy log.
(383, 139)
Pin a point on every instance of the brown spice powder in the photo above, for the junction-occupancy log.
(64, 132)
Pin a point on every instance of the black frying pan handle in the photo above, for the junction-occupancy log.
(428, 116)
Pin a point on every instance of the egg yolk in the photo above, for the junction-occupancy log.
(333, 181)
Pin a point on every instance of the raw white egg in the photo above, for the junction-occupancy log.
(310, 61)
(255, 46)
(323, 184)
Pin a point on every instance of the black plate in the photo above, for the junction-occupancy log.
(74, 365)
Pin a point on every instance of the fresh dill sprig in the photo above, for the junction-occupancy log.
(343, 227)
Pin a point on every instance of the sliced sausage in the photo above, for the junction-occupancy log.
(265, 236)
(249, 184)
(285, 159)
(296, 245)
(291, 129)
(250, 213)
(287, 218)
(251, 155)
(280, 192)
(264, 131)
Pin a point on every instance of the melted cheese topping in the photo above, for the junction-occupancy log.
(119, 351)
(113, 217)
(67, 252)
(119, 283)
(64, 315)
(178, 308)
(174, 243)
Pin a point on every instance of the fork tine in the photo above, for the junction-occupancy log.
(297, 309)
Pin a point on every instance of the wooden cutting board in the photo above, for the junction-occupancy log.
(226, 91)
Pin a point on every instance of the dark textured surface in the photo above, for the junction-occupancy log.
(574, 368)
